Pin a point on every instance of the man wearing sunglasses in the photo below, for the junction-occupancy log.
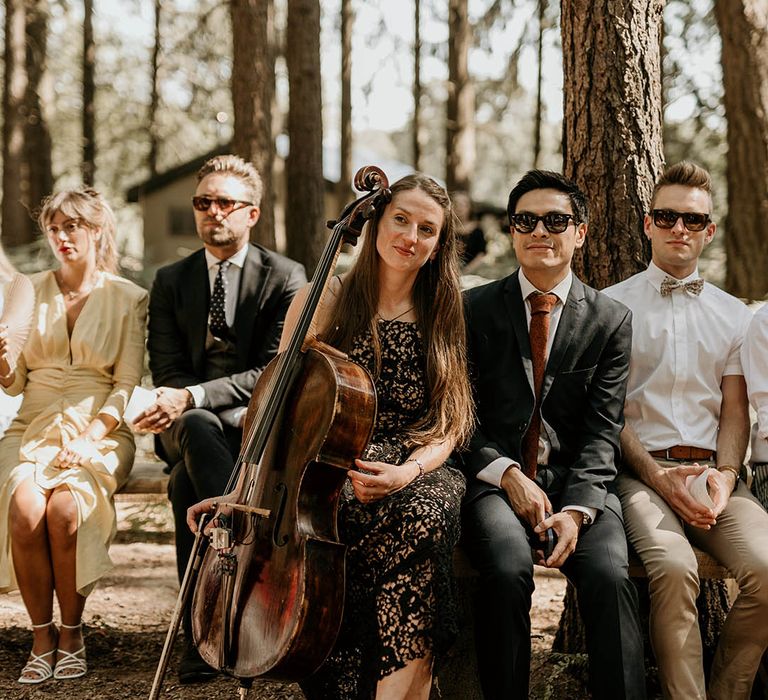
(215, 320)
(687, 417)
(549, 360)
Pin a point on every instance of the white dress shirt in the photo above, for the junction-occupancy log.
(233, 273)
(682, 347)
(754, 357)
(493, 473)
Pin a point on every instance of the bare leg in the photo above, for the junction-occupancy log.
(412, 682)
(32, 562)
(62, 535)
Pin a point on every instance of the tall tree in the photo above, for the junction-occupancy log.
(542, 8)
(744, 32)
(27, 175)
(304, 208)
(154, 96)
(89, 95)
(345, 163)
(460, 111)
(253, 89)
(416, 84)
(612, 134)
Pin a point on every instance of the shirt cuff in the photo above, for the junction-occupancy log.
(495, 470)
(198, 395)
(589, 513)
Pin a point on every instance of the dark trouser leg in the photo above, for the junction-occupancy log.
(608, 607)
(203, 453)
(498, 547)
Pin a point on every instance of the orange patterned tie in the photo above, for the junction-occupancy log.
(541, 306)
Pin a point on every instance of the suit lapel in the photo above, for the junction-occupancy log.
(513, 300)
(199, 294)
(253, 282)
(568, 329)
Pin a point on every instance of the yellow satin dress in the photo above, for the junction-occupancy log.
(67, 381)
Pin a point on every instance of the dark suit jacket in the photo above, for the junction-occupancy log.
(178, 322)
(583, 390)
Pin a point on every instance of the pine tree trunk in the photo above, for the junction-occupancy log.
(304, 210)
(154, 98)
(345, 155)
(89, 93)
(253, 89)
(460, 110)
(612, 135)
(27, 175)
(539, 83)
(416, 128)
(744, 32)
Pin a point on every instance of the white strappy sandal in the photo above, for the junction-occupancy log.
(37, 665)
(71, 664)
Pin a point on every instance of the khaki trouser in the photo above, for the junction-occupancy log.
(738, 541)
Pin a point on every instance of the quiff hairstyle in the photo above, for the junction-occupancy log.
(94, 211)
(549, 180)
(685, 173)
(242, 169)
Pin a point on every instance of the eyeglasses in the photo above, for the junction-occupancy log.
(70, 226)
(553, 221)
(667, 218)
(224, 205)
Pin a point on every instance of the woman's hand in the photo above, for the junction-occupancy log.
(75, 453)
(383, 479)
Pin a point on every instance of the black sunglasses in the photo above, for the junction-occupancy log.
(553, 221)
(667, 218)
(224, 205)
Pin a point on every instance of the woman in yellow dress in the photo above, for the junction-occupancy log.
(68, 451)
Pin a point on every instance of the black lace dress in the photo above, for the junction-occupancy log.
(399, 589)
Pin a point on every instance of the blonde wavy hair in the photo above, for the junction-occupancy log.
(91, 208)
(439, 317)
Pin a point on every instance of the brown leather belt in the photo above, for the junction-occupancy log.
(684, 452)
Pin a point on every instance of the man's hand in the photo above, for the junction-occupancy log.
(721, 484)
(669, 483)
(170, 404)
(527, 498)
(566, 525)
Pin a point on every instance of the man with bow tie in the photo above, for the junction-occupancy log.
(549, 360)
(686, 412)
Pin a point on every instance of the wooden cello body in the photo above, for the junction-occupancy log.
(270, 591)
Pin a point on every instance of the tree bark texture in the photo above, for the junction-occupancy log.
(460, 110)
(154, 97)
(27, 175)
(345, 126)
(416, 85)
(305, 185)
(612, 127)
(253, 90)
(89, 95)
(744, 32)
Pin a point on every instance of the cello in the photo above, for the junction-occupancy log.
(270, 589)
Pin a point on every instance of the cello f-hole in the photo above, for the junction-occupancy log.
(280, 541)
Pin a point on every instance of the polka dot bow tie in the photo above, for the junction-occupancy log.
(670, 284)
(218, 322)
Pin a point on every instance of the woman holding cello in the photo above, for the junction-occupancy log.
(398, 313)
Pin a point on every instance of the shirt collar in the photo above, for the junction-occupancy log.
(561, 290)
(238, 259)
(656, 276)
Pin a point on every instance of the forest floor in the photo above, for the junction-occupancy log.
(127, 617)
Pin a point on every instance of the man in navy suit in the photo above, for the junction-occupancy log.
(215, 320)
(550, 394)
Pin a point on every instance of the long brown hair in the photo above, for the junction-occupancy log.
(89, 206)
(439, 317)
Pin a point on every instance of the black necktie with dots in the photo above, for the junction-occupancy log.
(218, 322)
